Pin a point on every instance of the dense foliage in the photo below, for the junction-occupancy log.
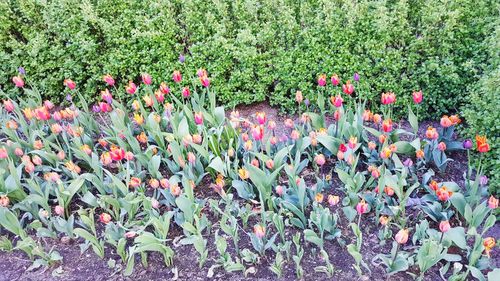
(168, 169)
(481, 110)
(256, 50)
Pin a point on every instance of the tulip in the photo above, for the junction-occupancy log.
(175, 190)
(362, 207)
(419, 154)
(38, 144)
(134, 182)
(129, 156)
(446, 122)
(255, 163)
(483, 180)
(261, 117)
(18, 152)
(164, 88)
(244, 174)
(270, 164)
(377, 118)
(342, 147)
(164, 183)
(384, 220)
(367, 115)
(431, 133)
(205, 82)
(198, 118)
(372, 145)
(271, 125)
(105, 218)
(417, 97)
(185, 92)
(146, 79)
(443, 193)
(160, 96)
(59, 210)
(176, 76)
(104, 107)
(61, 155)
(455, 120)
(258, 132)
(387, 126)
(489, 243)
(320, 159)
(444, 226)
(295, 135)
(389, 190)
(259, 231)
(335, 80)
(337, 100)
(109, 80)
(73, 167)
(197, 139)
(139, 120)
(442, 146)
(106, 158)
(148, 100)
(69, 83)
(356, 77)
(333, 200)
(353, 141)
(402, 236)
(493, 202)
(348, 88)
(131, 88)
(8, 105)
(4, 201)
(279, 190)
(467, 144)
(86, 149)
(191, 157)
(388, 98)
(298, 97)
(106, 96)
(12, 125)
(319, 197)
(18, 81)
(482, 144)
(117, 154)
(3, 153)
(41, 113)
(375, 173)
(289, 123)
(322, 80)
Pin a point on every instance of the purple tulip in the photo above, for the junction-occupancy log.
(306, 102)
(408, 162)
(182, 58)
(96, 108)
(69, 97)
(467, 144)
(356, 77)
(21, 70)
(483, 180)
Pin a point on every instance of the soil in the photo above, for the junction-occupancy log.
(87, 266)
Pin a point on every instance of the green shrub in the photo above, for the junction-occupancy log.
(481, 110)
(255, 50)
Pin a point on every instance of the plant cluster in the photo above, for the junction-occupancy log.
(168, 167)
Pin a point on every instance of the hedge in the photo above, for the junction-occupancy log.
(255, 50)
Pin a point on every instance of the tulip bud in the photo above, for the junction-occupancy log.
(444, 226)
(259, 231)
(105, 218)
(59, 210)
(402, 236)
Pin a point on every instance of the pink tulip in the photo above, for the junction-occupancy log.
(444, 226)
(176, 76)
(164, 88)
(146, 79)
(348, 88)
(335, 80)
(258, 132)
(279, 190)
(105, 107)
(198, 118)
(18, 81)
(337, 101)
(8, 105)
(106, 96)
(388, 98)
(131, 88)
(185, 92)
(442, 146)
(320, 159)
(322, 80)
(261, 117)
(3, 153)
(109, 80)
(69, 83)
(418, 97)
(362, 207)
(205, 82)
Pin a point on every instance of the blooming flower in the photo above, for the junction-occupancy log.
(431, 133)
(146, 79)
(337, 100)
(8, 105)
(444, 226)
(388, 98)
(105, 218)
(443, 193)
(131, 88)
(402, 236)
(348, 88)
(258, 132)
(417, 97)
(198, 118)
(164, 88)
(18, 81)
(186, 92)
(482, 144)
(244, 174)
(205, 82)
(335, 80)
(442, 146)
(322, 80)
(279, 190)
(387, 125)
(270, 164)
(109, 80)
(69, 83)
(493, 202)
(362, 207)
(446, 122)
(259, 231)
(320, 159)
(467, 144)
(134, 182)
(489, 243)
(333, 200)
(319, 197)
(176, 76)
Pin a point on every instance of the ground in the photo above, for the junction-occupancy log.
(87, 266)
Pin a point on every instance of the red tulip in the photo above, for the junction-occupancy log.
(417, 97)
(185, 92)
(348, 88)
(131, 88)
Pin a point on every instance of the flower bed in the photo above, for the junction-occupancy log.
(171, 168)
